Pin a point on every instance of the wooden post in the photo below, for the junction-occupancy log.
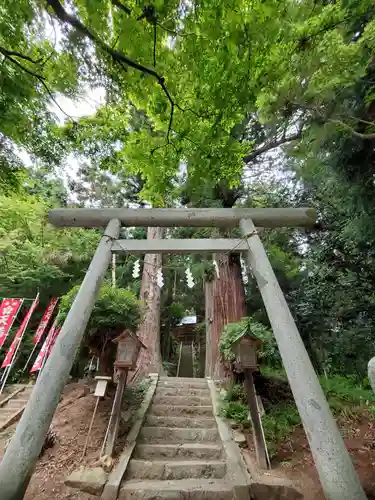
(335, 468)
(114, 420)
(23, 451)
(100, 389)
(258, 435)
(179, 360)
(90, 427)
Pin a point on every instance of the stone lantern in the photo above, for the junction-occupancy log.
(128, 347)
(245, 349)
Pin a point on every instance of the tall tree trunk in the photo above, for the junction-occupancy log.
(225, 303)
(149, 330)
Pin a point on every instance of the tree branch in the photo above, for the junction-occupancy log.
(340, 122)
(304, 39)
(40, 78)
(13, 53)
(359, 120)
(272, 145)
(121, 6)
(116, 55)
(75, 23)
(175, 33)
(352, 131)
(26, 70)
(153, 150)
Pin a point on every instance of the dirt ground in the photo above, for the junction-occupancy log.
(72, 418)
(71, 422)
(293, 459)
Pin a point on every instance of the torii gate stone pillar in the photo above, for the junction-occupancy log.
(371, 373)
(23, 451)
(336, 472)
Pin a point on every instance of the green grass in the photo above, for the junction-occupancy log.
(268, 371)
(135, 393)
(235, 410)
(280, 421)
(345, 396)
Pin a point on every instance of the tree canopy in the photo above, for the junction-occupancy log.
(220, 83)
(205, 104)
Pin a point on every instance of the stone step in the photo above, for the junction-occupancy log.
(183, 380)
(190, 422)
(25, 393)
(181, 385)
(28, 389)
(6, 413)
(181, 400)
(181, 410)
(15, 387)
(3, 422)
(175, 469)
(187, 489)
(182, 391)
(208, 451)
(16, 403)
(176, 435)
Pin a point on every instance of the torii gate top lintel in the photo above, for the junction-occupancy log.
(182, 217)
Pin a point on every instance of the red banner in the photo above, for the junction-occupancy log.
(18, 337)
(46, 347)
(57, 331)
(8, 311)
(44, 321)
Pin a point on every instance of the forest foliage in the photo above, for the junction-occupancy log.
(205, 104)
(232, 332)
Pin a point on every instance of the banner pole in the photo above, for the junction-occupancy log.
(19, 342)
(45, 347)
(42, 327)
(3, 375)
(2, 378)
(29, 358)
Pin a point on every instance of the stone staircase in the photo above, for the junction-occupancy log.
(13, 403)
(179, 452)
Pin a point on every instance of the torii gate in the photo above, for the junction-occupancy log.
(337, 475)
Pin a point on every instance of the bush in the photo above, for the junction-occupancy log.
(280, 422)
(235, 411)
(134, 393)
(344, 393)
(235, 392)
(345, 397)
(115, 310)
(268, 351)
